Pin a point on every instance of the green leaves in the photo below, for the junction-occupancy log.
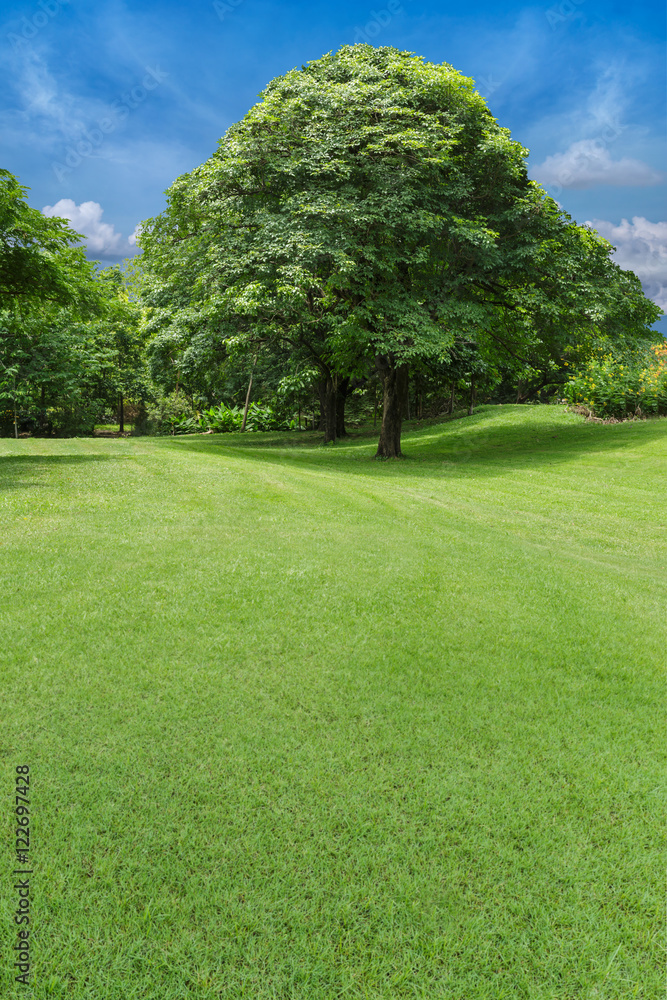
(371, 204)
(38, 259)
(620, 384)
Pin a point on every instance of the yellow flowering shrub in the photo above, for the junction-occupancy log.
(614, 386)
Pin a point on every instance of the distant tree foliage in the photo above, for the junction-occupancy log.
(69, 335)
(39, 259)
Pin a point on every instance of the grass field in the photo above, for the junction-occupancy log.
(305, 725)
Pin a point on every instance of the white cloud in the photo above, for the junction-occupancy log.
(587, 163)
(45, 113)
(132, 239)
(86, 218)
(641, 246)
(589, 135)
(605, 104)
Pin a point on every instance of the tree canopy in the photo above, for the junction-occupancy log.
(370, 207)
(40, 259)
(69, 337)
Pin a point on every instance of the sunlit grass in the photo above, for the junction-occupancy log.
(306, 725)
(113, 428)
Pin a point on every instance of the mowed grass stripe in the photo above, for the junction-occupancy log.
(310, 726)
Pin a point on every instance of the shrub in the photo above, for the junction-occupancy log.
(264, 418)
(622, 386)
(166, 413)
(174, 415)
(221, 419)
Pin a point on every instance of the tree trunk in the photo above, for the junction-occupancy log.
(121, 414)
(322, 396)
(472, 395)
(341, 396)
(450, 408)
(394, 381)
(326, 390)
(330, 410)
(247, 396)
(141, 419)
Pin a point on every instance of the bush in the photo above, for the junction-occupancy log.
(77, 421)
(264, 418)
(167, 413)
(174, 415)
(628, 385)
(221, 419)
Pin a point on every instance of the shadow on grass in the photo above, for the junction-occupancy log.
(491, 441)
(15, 468)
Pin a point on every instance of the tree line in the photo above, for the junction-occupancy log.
(367, 230)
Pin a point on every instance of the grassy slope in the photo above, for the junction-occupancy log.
(304, 725)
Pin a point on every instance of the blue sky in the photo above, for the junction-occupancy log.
(104, 104)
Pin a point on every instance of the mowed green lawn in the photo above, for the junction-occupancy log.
(305, 725)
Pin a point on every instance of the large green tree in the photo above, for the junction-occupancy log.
(371, 206)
